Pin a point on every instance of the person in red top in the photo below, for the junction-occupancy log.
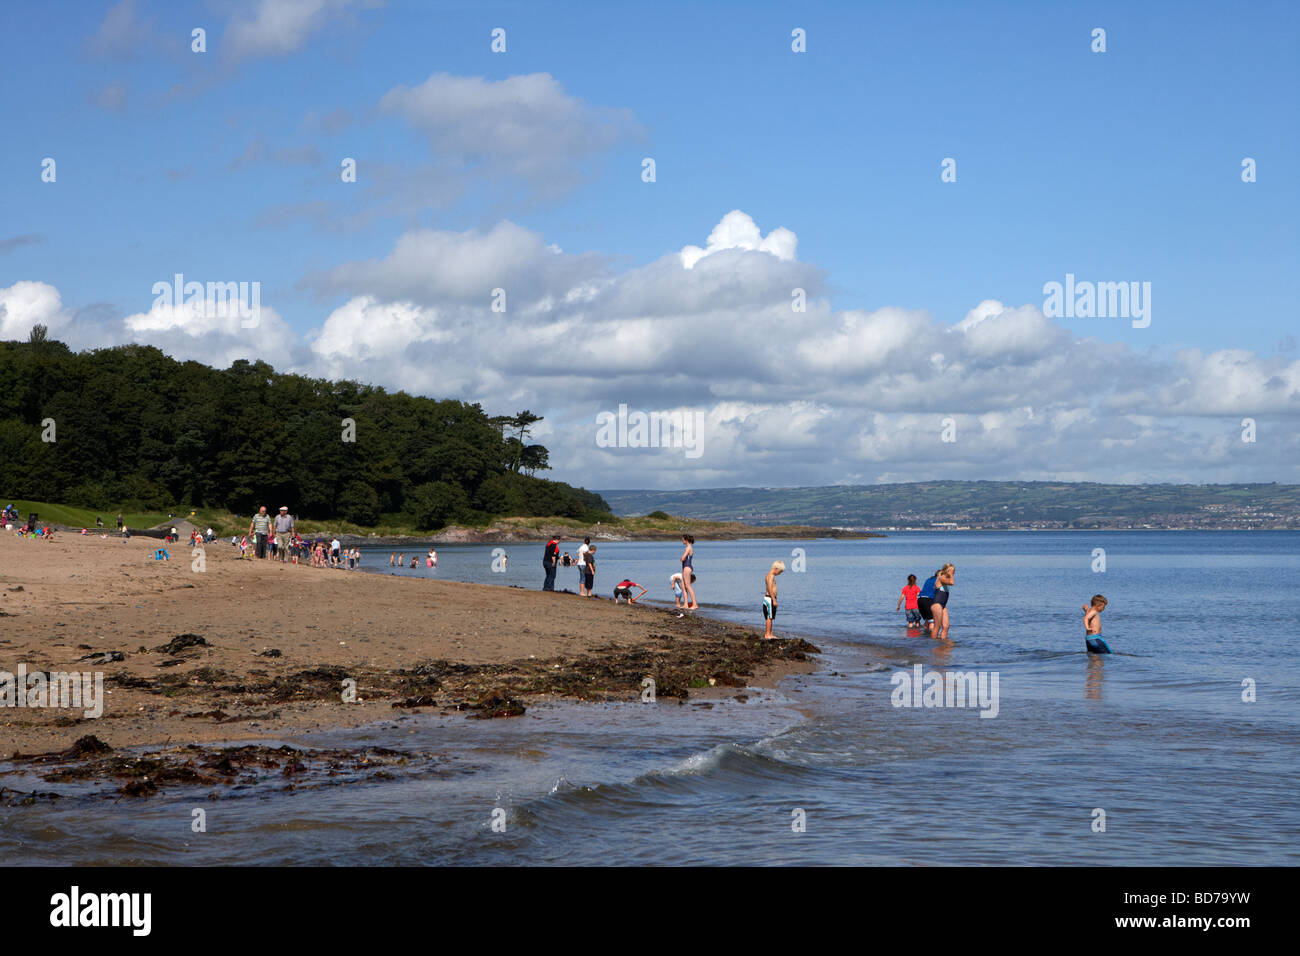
(624, 590)
(550, 557)
(909, 594)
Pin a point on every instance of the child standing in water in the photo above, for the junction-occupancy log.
(769, 598)
(908, 594)
(1092, 625)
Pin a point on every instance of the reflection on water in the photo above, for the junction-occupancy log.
(1096, 671)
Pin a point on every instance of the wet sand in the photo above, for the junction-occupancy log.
(424, 644)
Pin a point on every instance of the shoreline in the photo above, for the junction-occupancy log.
(244, 650)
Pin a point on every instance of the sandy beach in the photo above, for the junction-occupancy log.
(249, 649)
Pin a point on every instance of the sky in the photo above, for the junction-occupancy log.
(839, 271)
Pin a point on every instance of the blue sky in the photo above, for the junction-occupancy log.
(1115, 166)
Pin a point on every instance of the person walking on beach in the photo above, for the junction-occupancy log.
(769, 597)
(260, 529)
(908, 594)
(284, 531)
(119, 521)
(688, 571)
(549, 560)
(336, 552)
(581, 562)
(1092, 625)
(589, 575)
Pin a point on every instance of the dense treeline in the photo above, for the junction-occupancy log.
(133, 428)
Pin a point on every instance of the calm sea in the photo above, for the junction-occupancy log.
(1156, 740)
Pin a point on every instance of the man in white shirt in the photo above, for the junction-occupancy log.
(334, 553)
(582, 566)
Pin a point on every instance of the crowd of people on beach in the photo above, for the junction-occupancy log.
(680, 583)
(926, 603)
(271, 537)
(585, 564)
(31, 528)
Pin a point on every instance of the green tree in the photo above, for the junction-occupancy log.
(138, 428)
(436, 503)
(359, 503)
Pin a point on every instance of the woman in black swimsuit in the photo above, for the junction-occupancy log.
(688, 571)
(943, 580)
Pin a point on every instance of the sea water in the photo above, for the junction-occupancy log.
(1179, 748)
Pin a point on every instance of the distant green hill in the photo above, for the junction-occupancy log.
(988, 504)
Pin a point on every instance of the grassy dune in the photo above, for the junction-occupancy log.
(75, 517)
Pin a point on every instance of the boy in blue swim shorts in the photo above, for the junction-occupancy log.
(1092, 625)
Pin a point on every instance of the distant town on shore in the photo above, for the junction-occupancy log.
(984, 505)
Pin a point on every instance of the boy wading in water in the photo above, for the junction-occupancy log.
(1092, 625)
(769, 597)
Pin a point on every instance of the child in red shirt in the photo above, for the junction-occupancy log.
(909, 594)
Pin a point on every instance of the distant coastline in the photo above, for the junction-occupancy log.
(985, 505)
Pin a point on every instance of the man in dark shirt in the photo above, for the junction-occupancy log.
(549, 559)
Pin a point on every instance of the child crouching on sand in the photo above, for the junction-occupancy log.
(1092, 625)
